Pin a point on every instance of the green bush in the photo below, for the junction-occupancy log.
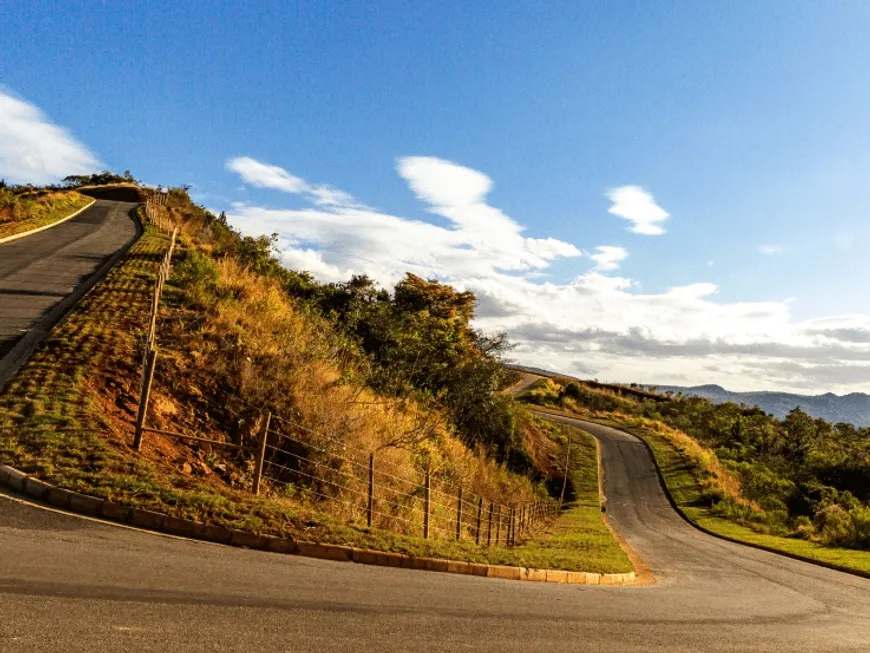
(196, 269)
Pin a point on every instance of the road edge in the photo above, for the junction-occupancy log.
(9, 239)
(16, 357)
(155, 521)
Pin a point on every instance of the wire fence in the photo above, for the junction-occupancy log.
(362, 488)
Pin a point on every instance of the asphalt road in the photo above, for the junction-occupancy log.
(71, 584)
(37, 272)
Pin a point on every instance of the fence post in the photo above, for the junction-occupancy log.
(498, 525)
(261, 453)
(371, 489)
(565, 477)
(489, 524)
(428, 502)
(479, 514)
(510, 538)
(145, 396)
(459, 514)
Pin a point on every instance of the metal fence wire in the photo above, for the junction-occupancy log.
(362, 488)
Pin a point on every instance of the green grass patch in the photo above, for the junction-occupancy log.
(24, 214)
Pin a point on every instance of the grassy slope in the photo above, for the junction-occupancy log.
(681, 479)
(67, 419)
(43, 211)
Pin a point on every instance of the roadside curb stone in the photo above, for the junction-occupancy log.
(324, 551)
(146, 518)
(216, 534)
(151, 520)
(15, 479)
(181, 527)
(85, 504)
(35, 487)
(247, 540)
(58, 497)
(115, 511)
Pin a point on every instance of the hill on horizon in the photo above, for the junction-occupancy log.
(852, 408)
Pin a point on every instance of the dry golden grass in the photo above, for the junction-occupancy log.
(23, 213)
(234, 346)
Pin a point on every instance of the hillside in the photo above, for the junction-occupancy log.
(853, 408)
(326, 379)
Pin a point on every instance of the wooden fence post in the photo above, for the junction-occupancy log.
(261, 454)
(565, 477)
(489, 524)
(145, 396)
(498, 524)
(459, 514)
(371, 490)
(428, 503)
(479, 514)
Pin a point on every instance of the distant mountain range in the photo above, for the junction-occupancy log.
(853, 408)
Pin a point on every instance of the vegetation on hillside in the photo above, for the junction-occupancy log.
(799, 476)
(22, 210)
(345, 369)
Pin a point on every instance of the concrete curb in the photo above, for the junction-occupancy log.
(9, 239)
(94, 507)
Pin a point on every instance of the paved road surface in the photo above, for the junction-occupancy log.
(68, 584)
(39, 271)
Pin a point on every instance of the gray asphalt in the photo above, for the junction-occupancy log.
(37, 272)
(79, 585)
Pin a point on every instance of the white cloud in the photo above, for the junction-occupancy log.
(770, 249)
(639, 207)
(34, 150)
(263, 175)
(597, 324)
(608, 257)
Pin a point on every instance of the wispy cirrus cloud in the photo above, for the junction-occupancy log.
(263, 175)
(35, 150)
(596, 323)
(770, 249)
(639, 207)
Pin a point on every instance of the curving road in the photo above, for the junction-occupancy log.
(43, 275)
(73, 584)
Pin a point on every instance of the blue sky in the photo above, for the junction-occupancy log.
(745, 122)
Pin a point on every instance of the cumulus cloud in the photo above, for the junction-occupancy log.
(35, 150)
(608, 257)
(639, 207)
(596, 324)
